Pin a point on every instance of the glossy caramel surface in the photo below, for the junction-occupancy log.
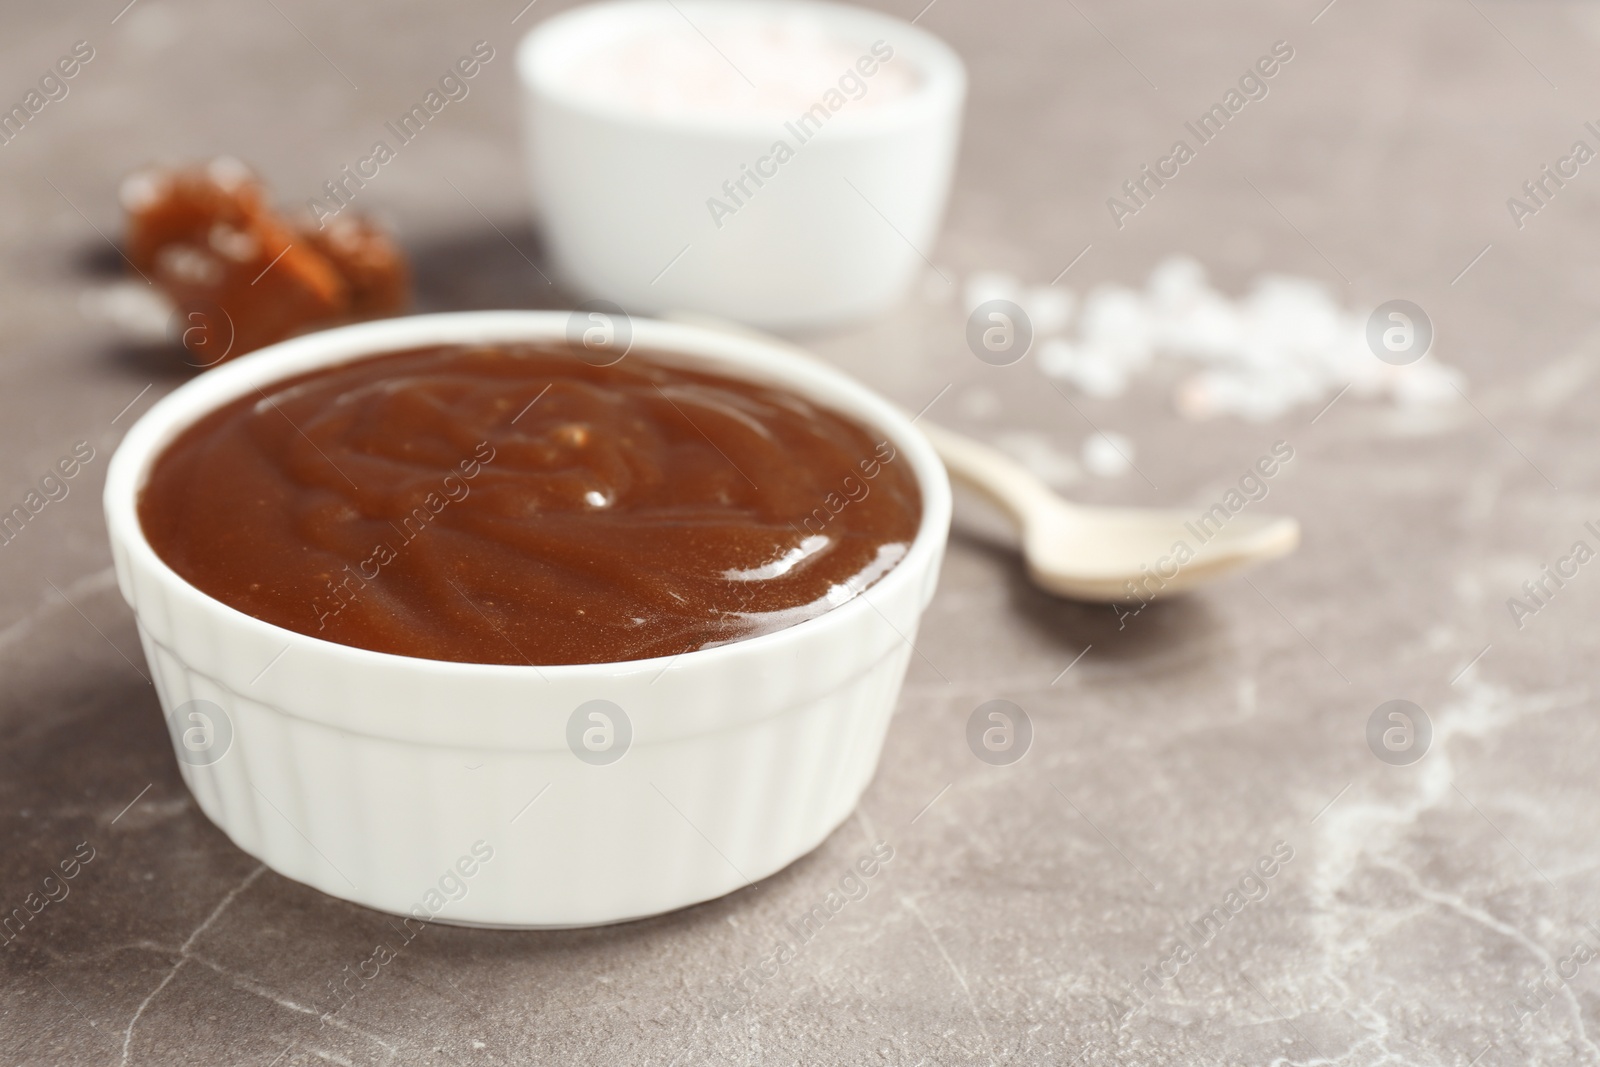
(515, 504)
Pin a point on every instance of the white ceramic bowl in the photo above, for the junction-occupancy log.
(622, 195)
(405, 784)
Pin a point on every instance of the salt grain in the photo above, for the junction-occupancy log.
(1097, 371)
(1286, 344)
(1107, 455)
(1039, 454)
(1049, 308)
(987, 285)
(133, 309)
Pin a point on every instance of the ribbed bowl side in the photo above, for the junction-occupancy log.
(396, 825)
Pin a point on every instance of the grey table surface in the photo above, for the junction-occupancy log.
(1023, 902)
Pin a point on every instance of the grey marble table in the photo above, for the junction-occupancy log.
(1442, 912)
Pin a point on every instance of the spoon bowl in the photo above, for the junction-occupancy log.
(1114, 554)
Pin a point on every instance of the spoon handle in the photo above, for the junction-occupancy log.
(1014, 488)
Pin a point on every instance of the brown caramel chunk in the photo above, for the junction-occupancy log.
(368, 259)
(181, 206)
(241, 275)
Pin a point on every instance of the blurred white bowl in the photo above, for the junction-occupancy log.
(837, 232)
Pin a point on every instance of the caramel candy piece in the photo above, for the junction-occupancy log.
(368, 259)
(180, 206)
(241, 275)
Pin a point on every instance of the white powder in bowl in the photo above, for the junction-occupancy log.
(761, 64)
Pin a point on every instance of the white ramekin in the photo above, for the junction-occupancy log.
(837, 235)
(385, 780)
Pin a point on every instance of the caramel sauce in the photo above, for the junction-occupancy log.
(513, 504)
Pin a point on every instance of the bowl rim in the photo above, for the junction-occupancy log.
(942, 79)
(772, 362)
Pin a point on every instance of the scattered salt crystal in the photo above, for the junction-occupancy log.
(1177, 281)
(1049, 308)
(1098, 371)
(1205, 328)
(1115, 320)
(140, 189)
(133, 309)
(989, 285)
(1107, 455)
(229, 172)
(1196, 399)
(1102, 372)
(1287, 343)
(1036, 452)
(1427, 383)
(1056, 358)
